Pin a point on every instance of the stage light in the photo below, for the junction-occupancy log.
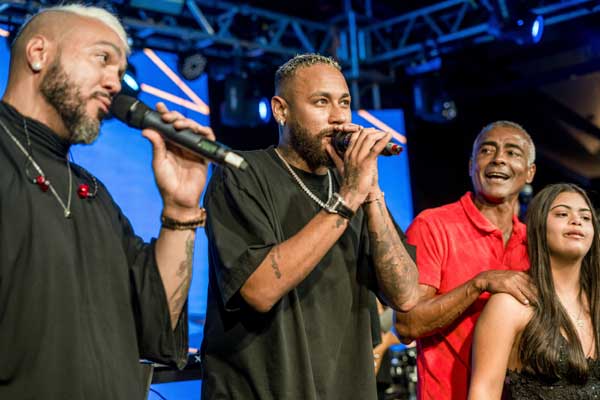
(243, 105)
(527, 29)
(517, 24)
(191, 65)
(432, 102)
(537, 29)
(264, 109)
(129, 83)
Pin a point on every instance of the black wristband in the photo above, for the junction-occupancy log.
(175, 225)
(337, 205)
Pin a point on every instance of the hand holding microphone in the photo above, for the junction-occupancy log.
(355, 151)
(138, 115)
(341, 140)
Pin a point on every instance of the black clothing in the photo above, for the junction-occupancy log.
(528, 386)
(81, 299)
(315, 343)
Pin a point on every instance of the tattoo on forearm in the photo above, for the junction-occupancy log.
(184, 272)
(274, 263)
(396, 272)
(339, 222)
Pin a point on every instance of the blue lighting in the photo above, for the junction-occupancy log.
(520, 22)
(130, 81)
(264, 110)
(537, 29)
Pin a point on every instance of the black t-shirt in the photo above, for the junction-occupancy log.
(81, 299)
(315, 343)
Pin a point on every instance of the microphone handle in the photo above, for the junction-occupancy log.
(341, 142)
(188, 140)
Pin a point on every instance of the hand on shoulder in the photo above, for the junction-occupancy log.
(506, 309)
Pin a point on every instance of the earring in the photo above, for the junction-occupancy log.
(281, 123)
(36, 66)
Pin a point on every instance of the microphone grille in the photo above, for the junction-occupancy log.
(129, 110)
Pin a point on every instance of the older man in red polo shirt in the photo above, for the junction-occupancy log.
(465, 251)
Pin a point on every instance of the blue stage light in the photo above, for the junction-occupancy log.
(527, 28)
(537, 29)
(129, 83)
(264, 110)
(244, 106)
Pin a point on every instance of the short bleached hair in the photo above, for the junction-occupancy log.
(286, 71)
(99, 14)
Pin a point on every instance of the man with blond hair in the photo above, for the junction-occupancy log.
(296, 244)
(82, 298)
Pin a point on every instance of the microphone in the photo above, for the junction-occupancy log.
(138, 115)
(342, 139)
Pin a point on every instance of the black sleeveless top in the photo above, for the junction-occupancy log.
(526, 386)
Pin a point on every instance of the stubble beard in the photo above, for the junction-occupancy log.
(65, 97)
(310, 147)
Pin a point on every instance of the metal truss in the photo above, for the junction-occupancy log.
(440, 27)
(218, 27)
(231, 30)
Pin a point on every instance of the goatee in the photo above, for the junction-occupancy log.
(310, 147)
(66, 98)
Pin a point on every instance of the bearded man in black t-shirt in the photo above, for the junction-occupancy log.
(296, 242)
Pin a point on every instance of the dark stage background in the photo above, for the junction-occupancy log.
(451, 67)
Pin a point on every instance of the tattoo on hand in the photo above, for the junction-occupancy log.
(382, 212)
(351, 177)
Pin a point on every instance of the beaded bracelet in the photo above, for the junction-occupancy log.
(175, 225)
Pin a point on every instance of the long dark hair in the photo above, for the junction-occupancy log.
(542, 342)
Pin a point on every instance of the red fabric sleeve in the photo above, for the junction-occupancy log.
(431, 247)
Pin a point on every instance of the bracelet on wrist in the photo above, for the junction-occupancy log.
(176, 225)
(376, 199)
(337, 205)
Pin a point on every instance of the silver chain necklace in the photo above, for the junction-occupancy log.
(67, 208)
(303, 186)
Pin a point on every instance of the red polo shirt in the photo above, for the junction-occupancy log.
(454, 243)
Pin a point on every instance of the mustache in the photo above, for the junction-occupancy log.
(327, 132)
(98, 94)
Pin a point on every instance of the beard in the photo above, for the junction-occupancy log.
(66, 98)
(310, 147)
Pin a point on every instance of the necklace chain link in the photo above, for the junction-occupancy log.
(304, 187)
(66, 208)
